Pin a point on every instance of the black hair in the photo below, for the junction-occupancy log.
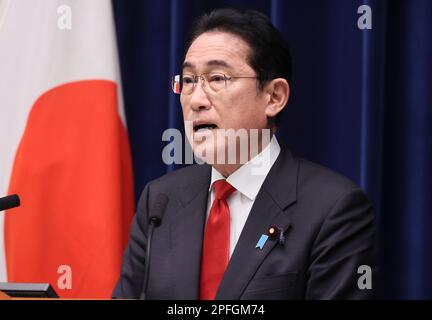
(270, 55)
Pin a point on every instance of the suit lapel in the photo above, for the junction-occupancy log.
(276, 194)
(188, 233)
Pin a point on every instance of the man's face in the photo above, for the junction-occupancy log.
(240, 105)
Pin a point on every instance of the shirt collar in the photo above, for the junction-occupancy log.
(249, 178)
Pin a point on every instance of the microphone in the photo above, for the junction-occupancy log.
(9, 202)
(155, 219)
(158, 209)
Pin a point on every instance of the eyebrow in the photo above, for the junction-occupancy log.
(219, 63)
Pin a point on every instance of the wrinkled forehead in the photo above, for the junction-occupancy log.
(217, 49)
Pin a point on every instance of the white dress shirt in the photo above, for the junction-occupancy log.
(247, 180)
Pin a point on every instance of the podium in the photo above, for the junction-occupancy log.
(4, 296)
(10, 290)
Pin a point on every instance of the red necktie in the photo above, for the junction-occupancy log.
(215, 255)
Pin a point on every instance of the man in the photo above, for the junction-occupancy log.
(270, 226)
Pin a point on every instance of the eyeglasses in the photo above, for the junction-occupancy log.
(212, 81)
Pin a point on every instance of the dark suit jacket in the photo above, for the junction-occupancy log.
(328, 223)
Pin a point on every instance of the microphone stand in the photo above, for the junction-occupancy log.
(153, 223)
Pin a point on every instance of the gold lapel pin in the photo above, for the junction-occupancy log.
(275, 232)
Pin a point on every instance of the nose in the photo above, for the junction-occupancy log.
(199, 99)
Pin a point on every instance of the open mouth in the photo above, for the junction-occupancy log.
(204, 126)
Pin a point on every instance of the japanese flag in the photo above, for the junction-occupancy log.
(63, 147)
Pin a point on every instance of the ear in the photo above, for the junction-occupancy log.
(278, 91)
